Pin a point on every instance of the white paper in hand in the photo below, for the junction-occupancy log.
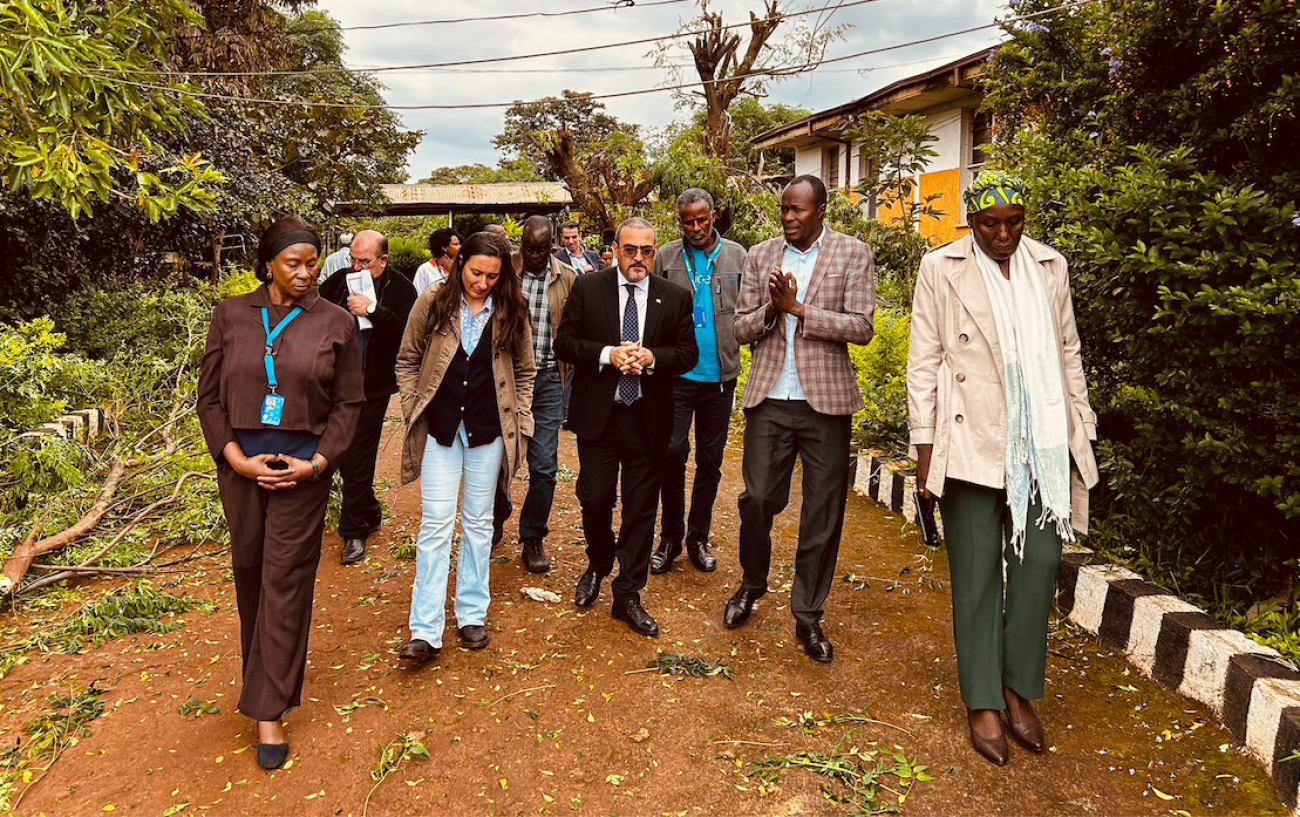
(360, 283)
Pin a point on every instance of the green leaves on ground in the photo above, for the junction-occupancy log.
(58, 728)
(863, 772)
(675, 663)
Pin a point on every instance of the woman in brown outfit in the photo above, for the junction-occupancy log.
(279, 394)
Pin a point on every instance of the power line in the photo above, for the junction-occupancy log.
(611, 95)
(487, 60)
(615, 5)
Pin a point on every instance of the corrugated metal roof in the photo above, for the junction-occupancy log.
(471, 195)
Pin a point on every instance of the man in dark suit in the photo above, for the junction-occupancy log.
(627, 336)
(582, 261)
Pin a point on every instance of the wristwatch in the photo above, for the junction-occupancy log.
(370, 310)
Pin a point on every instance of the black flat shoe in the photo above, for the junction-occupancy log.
(588, 589)
(474, 636)
(815, 642)
(354, 550)
(661, 561)
(739, 606)
(700, 557)
(418, 651)
(629, 610)
(272, 756)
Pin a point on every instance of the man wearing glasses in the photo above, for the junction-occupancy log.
(380, 323)
(709, 266)
(627, 335)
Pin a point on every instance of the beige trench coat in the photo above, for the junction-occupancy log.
(955, 398)
(422, 363)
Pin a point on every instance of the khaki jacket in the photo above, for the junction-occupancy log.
(955, 398)
(422, 363)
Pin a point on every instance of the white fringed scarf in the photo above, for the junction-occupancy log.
(1038, 450)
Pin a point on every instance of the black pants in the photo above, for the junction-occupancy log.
(361, 514)
(710, 406)
(776, 431)
(623, 444)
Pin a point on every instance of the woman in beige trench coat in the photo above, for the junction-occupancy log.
(1002, 433)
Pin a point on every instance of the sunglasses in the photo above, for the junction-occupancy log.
(632, 251)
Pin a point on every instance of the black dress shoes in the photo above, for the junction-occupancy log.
(1025, 726)
(272, 756)
(584, 595)
(474, 636)
(631, 611)
(740, 605)
(354, 550)
(662, 559)
(418, 651)
(535, 558)
(993, 749)
(814, 642)
(700, 557)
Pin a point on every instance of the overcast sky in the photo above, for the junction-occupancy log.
(465, 136)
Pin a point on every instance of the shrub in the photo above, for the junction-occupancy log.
(36, 380)
(882, 376)
(407, 254)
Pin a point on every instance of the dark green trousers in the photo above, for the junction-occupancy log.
(1001, 638)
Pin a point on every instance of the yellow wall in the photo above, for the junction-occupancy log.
(947, 183)
(950, 226)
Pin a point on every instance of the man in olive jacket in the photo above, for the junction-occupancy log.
(709, 266)
(379, 343)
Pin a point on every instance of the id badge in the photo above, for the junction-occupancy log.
(699, 316)
(272, 409)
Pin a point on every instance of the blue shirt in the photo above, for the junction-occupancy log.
(701, 268)
(800, 265)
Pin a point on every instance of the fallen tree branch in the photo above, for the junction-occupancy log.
(16, 565)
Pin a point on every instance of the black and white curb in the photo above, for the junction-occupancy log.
(1250, 687)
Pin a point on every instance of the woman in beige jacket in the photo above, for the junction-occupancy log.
(1002, 433)
(465, 376)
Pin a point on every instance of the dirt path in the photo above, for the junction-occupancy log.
(558, 716)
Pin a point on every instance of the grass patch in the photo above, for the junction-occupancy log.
(135, 608)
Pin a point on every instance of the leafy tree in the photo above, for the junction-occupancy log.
(1156, 137)
(76, 127)
(729, 74)
(602, 160)
(517, 170)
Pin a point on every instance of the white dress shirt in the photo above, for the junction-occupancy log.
(800, 264)
(642, 291)
(579, 262)
(427, 275)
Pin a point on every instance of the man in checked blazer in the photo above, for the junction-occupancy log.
(803, 299)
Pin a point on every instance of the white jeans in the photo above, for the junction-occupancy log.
(440, 482)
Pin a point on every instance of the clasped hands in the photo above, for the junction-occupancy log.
(271, 478)
(631, 357)
(783, 288)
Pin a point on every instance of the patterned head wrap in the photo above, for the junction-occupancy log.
(991, 188)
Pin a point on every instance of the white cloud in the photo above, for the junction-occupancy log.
(465, 136)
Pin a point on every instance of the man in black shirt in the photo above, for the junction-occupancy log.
(381, 319)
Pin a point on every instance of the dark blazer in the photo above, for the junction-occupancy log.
(316, 364)
(591, 322)
(592, 257)
(396, 297)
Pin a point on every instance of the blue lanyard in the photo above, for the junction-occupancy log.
(271, 335)
(708, 263)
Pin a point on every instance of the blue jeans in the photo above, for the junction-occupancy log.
(543, 456)
(440, 481)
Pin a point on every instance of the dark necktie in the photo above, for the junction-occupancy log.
(629, 385)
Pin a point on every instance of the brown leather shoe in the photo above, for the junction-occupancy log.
(418, 651)
(993, 749)
(1025, 726)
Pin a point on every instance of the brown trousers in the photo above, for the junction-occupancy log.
(275, 543)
